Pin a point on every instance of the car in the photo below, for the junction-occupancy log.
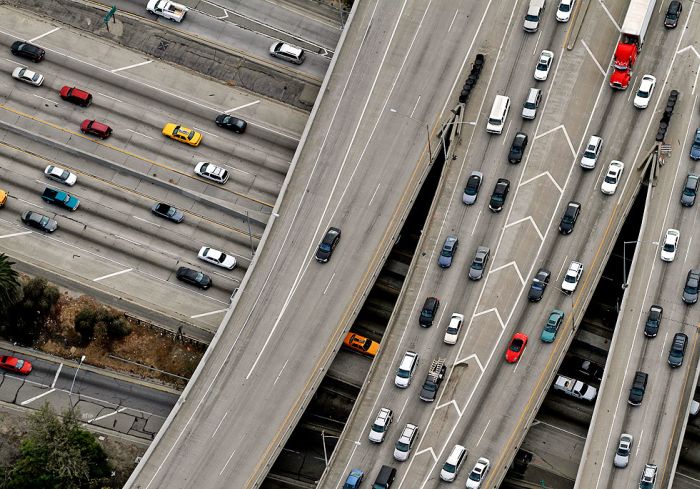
(427, 314)
(670, 246)
(549, 333)
(193, 277)
(544, 64)
(216, 257)
(75, 96)
(516, 346)
(39, 221)
(232, 123)
(471, 191)
(644, 92)
(28, 76)
(15, 365)
(481, 259)
(60, 175)
(60, 198)
(572, 277)
(212, 172)
(453, 329)
(478, 473)
(26, 50)
(449, 248)
(677, 351)
(287, 52)
(538, 285)
(168, 212)
(648, 479)
(3, 197)
(692, 283)
(517, 148)
(639, 386)
(381, 425)
(453, 463)
(403, 446)
(361, 344)
(95, 128)
(591, 370)
(498, 197)
(568, 220)
(407, 367)
(624, 447)
(613, 177)
(564, 10)
(532, 102)
(182, 134)
(651, 328)
(433, 379)
(591, 153)
(354, 479)
(690, 190)
(327, 245)
(695, 146)
(673, 14)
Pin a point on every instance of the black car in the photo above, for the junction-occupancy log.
(651, 328)
(690, 190)
(327, 245)
(517, 149)
(498, 197)
(568, 220)
(639, 386)
(427, 314)
(26, 50)
(692, 284)
(591, 369)
(193, 277)
(233, 123)
(39, 221)
(539, 283)
(677, 351)
(673, 14)
(168, 212)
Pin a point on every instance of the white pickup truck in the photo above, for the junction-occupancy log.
(575, 388)
(166, 8)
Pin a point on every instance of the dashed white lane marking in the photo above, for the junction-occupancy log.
(112, 275)
(99, 418)
(30, 400)
(218, 311)
(116, 70)
(45, 34)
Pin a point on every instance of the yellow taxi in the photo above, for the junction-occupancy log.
(3, 197)
(361, 344)
(182, 134)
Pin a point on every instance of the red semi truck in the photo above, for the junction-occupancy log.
(634, 27)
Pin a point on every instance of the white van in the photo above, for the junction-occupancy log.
(499, 112)
(454, 461)
(406, 369)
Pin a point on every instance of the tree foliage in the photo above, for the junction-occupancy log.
(10, 287)
(26, 318)
(100, 322)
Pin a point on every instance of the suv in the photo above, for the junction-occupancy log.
(532, 102)
(568, 220)
(26, 50)
(692, 283)
(327, 245)
(75, 96)
(590, 155)
(287, 52)
(651, 328)
(453, 463)
(498, 197)
(481, 258)
(385, 478)
(471, 191)
(433, 380)
(677, 351)
(406, 369)
(381, 425)
(427, 314)
(213, 172)
(673, 14)
(95, 128)
(403, 446)
(648, 480)
(690, 190)
(517, 149)
(639, 386)
(539, 283)
(573, 275)
(448, 251)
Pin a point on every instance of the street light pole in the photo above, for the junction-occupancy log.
(82, 359)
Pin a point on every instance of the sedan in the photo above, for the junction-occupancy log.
(478, 473)
(448, 251)
(193, 277)
(564, 10)
(517, 149)
(28, 76)
(673, 14)
(651, 328)
(515, 347)
(168, 212)
(572, 277)
(16, 365)
(454, 328)
(539, 283)
(624, 447)
(232, 123)
(690, 190)
(361, 344)
(216, 257)
(695, 146)
(60, 175)
(327, 245)
(549, 333)
(543, 65)
(471, 191)
(568, 220)
(354, 479)
(646, 88)
(182, 134)
(498, 197)
(670, 246)
(39, 221)
(692, 284)
(613, 177)
(212, 172)
(481, 258)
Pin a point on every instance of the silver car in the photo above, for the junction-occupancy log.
(534, 96)
(28, 76)
(622, 455)
(481, 258)
(471, 191)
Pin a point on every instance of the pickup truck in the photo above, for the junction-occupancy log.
(60, 198)
(165, 8)
(432, 382)
(575, 388)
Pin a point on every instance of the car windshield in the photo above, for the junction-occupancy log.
(669, 247)
(532, 18)
(377, 427)
(20, 364)
(477, 265)
(551, 326)
(542, 66)
(429, 386)
(570, 277)
(690, 289)
(568, 219)
(537, 285)
(426, 313)
(404, 374)
(494, 122)
(516, 345)
(689, 191)
(452, 329)
(564, 7)
(472, 185)
(366, 344)
(610, 179)
(475, 476)
(642, 93)
(446, 251)
(401, 446)
(448, 468)
(623, 451)
(530, 105)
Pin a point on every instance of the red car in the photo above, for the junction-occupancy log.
(14, 364)
(516, 347)
(95, 128)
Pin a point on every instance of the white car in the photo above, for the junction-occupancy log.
(216, 257)
(613, 177)
(381, 425)
(60, 175)
(453, 329)
(646, 88)
(26, 75)
(543, 65)
(668, 250)
(403, 446)
(622, 455)
(478, 473)
(211, 171)
(573, 275)
(564, 10)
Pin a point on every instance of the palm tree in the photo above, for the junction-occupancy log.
(9, 284)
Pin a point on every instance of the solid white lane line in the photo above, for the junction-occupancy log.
(116, 70)
(483, 433)
(280, 374)
(453, 20)
(112, 275)
(242, 106)
(58, 372)
(43, 35)
(23, 233)
(593, 57)
(219, 311)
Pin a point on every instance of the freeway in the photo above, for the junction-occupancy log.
(358, 168)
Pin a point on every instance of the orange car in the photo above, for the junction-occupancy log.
(361, 344)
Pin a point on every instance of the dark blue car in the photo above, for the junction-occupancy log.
(695, 147)
(354, 479)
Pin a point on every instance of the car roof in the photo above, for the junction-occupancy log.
(289, 49)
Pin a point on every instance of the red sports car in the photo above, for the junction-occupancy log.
(14, 364)
(516, 347)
